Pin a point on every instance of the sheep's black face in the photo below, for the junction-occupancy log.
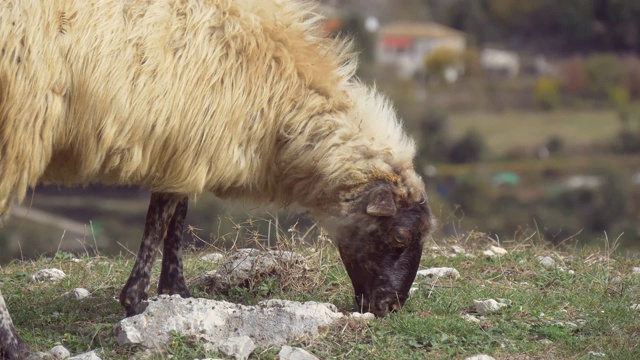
(380, 242)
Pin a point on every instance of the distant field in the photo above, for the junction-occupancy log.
(516, 129)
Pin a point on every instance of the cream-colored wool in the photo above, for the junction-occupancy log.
(244, 98)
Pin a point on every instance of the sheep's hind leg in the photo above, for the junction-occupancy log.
(172, 278)
(11, 346)
(161, 209)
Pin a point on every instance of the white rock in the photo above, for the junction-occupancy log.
(438, 272)
(458, 249)
(80, 293)
(91, 355)
(479, 357)
(270, 323)
(364, 317)
(546, 261)
(213, 257)
(635, 270)
(498, 250)
(59, 352)
(293, 353)
(597, 354)
(249, 265)
(489, 253)
(635, 307)
(487, 306)
(239, 347)
(48, 275)
(413, 290)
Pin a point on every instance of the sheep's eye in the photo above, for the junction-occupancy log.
(401, 238)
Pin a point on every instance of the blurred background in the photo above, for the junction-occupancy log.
(526, 115)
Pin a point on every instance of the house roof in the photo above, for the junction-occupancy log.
(419, 30)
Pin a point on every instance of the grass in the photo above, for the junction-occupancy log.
(504, 131)
(555, 313)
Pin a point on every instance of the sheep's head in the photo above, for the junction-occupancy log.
(380, 236)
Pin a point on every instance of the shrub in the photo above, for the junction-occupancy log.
(473, 195)
(438, 61)
(603, 72)
(433, 141)
(619, 97)
(631, 69)
(573, 75)
(547, 93)
(470, 148)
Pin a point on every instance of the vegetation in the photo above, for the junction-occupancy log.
(580, 306)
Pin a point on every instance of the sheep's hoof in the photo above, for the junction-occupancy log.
(136, 309)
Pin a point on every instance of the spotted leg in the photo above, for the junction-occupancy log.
(171, 277)
(11, 346)
(161, 210)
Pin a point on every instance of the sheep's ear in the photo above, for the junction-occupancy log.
(381, 203)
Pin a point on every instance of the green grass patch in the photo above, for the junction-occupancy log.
(562, 312)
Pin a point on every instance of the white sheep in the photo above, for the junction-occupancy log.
(243, 98)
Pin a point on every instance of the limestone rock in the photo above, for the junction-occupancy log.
(48, 275)
(293, 353)
(239, 347)
(59, 352)
(270, 323)
(80, 293)
(439, 272)
(247, 266)
(91, 355)
(487, 306)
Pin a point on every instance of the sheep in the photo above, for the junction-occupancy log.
(247, 99)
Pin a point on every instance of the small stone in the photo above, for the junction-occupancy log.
(363, 316)
(413, 290)
(470, 318)
(479, 357)
(489, 253)
(487, 306)
(546, 261)
(91, 355)
(80, 293)
(213, 257)
(635, 307)
(498, 250)
(59, 352)
(458, 249)
(546, 342)
(439, 272)
(239, 347)
(635, 270)
(293, 353)
(596, 354)
(48, 275)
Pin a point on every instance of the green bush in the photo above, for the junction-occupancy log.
(470, 148)
(603, 71)
(438, 61)
(547, 93)
(619, 97)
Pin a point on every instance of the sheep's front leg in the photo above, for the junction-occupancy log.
(161, 209)
(171, 278)
(11, 346)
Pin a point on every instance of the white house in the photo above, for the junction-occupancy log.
(406, 44)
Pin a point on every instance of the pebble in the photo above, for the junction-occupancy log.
(498, 250)
(48, 275)
(439, 272)
(487, 306)
(80, 293)
(546, 261)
